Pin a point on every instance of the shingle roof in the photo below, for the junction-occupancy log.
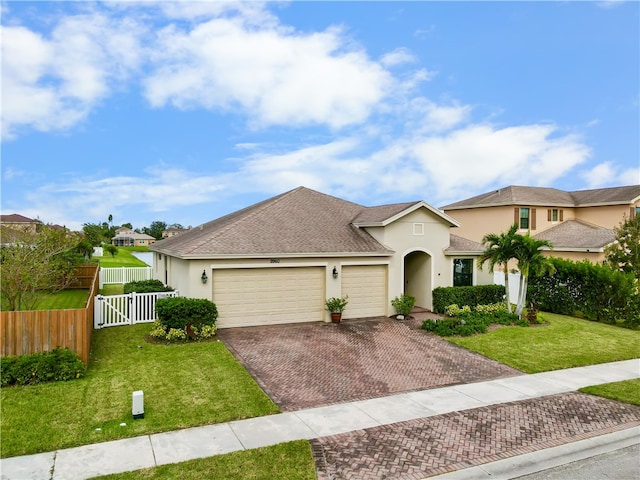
(458, 245)
(301, 221)
(575, 234)
(518, 195)
(16, 218)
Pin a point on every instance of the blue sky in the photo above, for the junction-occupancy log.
(185, 111)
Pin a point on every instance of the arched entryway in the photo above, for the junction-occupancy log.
(417, 277)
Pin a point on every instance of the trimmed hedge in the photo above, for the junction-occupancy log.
(472, 296)
(146, 286)
(178, 312)
(585, 290)
(61, 364)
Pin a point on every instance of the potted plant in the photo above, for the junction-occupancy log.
(404, 305)
(336, 306)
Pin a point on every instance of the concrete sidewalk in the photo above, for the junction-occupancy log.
(177, 446)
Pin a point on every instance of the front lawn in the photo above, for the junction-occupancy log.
(184, 385)
(292, 460)
(564, 343)
(124, 258)
(76, 298)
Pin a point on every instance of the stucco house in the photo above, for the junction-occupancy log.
(19, 222)
(126, 237)
(579, 224)
(278, 261)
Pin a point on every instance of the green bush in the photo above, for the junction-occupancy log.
(470, 321)
(146, 286)
(587, 290)
(61, 364)
(472, 296)
(403, 304)
(178, 312)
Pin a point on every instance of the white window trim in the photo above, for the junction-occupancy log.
(418, 228)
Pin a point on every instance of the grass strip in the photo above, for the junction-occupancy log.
(291, 460)
(124, 258)
(184, 386)
(627, 391)
(63, 299)
(564, 342)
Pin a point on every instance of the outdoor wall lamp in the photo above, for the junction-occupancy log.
(335, 272)
(204, 277)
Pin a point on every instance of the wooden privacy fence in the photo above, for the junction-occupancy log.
(32, 331)
(124, 275)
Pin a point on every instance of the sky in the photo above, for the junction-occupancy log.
(182, 112)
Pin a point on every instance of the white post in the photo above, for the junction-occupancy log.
(137, 405)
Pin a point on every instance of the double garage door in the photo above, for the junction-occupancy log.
(266, 296)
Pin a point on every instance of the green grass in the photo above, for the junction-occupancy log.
(564, 343)
(124, 258)
(184, 385)
(112, 289)
(627, 391)
(292, 460)
(64, 299)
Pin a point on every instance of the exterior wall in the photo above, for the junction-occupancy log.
(401, 237)
(475, 223)
(593, 257)
(608, 216)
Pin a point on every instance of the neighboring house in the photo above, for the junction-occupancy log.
(125, 237)
(19, 222)
(579, 224)
(172, 232)
(278, 261)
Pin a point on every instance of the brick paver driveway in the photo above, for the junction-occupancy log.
(313, 364)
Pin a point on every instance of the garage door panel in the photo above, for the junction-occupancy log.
(366, 286)
(263, 296)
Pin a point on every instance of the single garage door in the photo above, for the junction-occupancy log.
(366, 286)
(265, 296)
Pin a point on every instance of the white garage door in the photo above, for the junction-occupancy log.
(265, 296)
(366, 286)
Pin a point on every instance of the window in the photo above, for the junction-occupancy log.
(554, 214)
(462, 272)
(524, 218)
(418, 228)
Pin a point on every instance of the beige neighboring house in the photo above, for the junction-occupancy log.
(19, 222)
(125, 237)
(278, 261)
(172, 232)
(579, 224)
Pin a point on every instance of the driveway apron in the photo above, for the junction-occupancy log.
(315, 364)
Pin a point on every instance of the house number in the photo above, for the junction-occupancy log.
(275, 260)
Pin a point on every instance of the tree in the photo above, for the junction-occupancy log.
(97, 234)
(499, 250)
(110, 248)
(34, 264)
(624, 253)
(531, 261)
(155, 229)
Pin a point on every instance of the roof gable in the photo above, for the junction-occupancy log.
(384, 215)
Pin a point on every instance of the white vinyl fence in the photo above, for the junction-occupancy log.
(124, 274)
(127, 309)
(514, 282)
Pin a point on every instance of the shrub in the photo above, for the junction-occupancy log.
(403, 304)
(470, 321)
(454, 310)
(472, 296)
(590, 291)
(463, 326)
(146, 286)
(61, 364)
(178, 312)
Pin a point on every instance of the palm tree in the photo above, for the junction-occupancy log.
(499, 249)
(531, 261)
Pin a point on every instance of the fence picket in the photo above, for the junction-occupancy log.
(127, 309)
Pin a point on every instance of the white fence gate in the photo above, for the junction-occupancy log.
(124, 274)
(127, 309)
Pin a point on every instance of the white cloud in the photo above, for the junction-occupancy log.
(274, 75)
(53, 83)
(607, 173)
(399, 56)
